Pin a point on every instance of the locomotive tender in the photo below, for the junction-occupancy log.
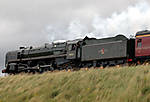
(80, 53)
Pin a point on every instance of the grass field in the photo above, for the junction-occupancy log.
(127, 84)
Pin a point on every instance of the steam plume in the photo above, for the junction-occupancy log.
(128, 22)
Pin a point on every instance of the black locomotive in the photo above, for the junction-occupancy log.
(73, 54)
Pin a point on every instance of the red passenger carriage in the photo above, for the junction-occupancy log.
(142, 45)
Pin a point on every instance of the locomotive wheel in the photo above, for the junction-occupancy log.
(41, 70)
(69, 68)
(33, 72)
(45, 69)
(51, 69)
(40, 63)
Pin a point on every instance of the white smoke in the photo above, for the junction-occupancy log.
(128, 22)
(77, 29)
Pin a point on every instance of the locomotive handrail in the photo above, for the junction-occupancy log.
(41, 57)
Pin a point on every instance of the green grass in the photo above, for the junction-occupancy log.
(95, 85)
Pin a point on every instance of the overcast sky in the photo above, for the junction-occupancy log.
(35, 22)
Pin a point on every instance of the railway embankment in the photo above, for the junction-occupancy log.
(127, 84)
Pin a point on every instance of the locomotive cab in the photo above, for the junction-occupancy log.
(73, 49)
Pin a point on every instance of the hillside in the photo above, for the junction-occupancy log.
(95, 85)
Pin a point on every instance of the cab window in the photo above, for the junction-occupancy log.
(72, 47)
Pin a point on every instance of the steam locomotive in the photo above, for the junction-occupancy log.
(80, 53)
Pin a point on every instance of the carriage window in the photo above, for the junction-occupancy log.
(139, 43)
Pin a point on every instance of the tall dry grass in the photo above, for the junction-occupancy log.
(95, 85)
